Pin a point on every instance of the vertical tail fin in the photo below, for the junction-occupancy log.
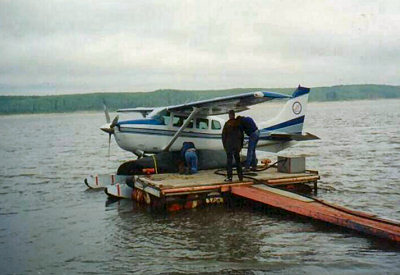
(291, 117)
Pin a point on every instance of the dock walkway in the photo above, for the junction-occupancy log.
(321, 210)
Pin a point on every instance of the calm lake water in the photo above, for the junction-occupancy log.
(51, 223)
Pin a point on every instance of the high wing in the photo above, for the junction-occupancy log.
(143, 110)
(222, 105)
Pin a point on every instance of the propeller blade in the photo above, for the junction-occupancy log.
(114, 122)
(109, 144)
(106, 128)
(106, 113)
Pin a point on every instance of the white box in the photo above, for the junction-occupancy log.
(291, 164)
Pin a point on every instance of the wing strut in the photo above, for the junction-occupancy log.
(183, 127)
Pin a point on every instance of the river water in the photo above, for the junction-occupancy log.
(51, 223)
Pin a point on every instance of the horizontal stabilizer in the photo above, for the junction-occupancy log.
(298, 137)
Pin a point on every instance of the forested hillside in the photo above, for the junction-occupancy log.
(94, 101)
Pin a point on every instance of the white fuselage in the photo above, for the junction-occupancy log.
(152, 138)
(153, 134)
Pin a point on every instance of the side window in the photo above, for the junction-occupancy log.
(166, 118)
(190, 125)
(215, 125)
(202, 123)
(177, 121)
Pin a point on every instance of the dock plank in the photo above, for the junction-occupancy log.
(283, 193)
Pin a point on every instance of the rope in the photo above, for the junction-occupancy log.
(155, 163)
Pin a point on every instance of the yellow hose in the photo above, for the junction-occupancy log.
(155, 163)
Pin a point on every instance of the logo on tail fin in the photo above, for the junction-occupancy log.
(296, 108)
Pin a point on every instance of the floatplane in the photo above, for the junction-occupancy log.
(165, 128)
(162, 130)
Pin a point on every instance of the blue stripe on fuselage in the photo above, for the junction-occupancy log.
(141, 121)
(161, 132)
(288, 123)
(164, 132)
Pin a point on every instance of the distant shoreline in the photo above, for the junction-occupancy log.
(94, 102)
(96, 112)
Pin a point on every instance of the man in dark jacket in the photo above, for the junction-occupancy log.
(232, 139)
(248, 125)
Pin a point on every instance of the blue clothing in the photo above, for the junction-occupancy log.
(251, 159)
(248, 125)
(250, 128)
(191, 160)
(186, 145)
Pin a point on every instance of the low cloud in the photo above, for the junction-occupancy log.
(85, 46)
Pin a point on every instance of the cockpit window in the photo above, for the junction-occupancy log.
(166, 118)
(215, 125)
(179, 120)
(202, 123)
(163, 117)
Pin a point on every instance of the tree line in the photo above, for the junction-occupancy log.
(94, 101)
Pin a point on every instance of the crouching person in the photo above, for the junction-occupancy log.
(189, 156)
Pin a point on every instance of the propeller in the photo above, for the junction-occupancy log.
(114, 122)
(109, 127)
(112, 125)
(109, 144)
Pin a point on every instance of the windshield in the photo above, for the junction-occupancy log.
(163, 116)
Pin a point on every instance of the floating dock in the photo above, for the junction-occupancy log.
(174, 192)
(208, 180)
(321, 210)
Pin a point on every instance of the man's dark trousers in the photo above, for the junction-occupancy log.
(229, 156)
(251, 159)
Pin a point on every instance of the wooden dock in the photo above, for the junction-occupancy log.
(175, 192)
(205, 181)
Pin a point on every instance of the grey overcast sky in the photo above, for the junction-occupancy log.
(49, 47)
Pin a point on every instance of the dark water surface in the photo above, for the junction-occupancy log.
(50, 222)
